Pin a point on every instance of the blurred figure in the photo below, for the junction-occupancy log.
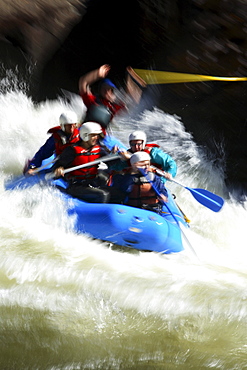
(61, 137)
(101, 108)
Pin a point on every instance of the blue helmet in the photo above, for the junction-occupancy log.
(108, 82)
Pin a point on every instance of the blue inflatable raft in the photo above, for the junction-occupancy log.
(119, 224)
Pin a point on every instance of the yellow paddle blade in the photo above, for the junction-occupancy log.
(161, 77)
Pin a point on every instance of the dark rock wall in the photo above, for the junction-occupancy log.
(107, 34)
(38, 27)
(31, 31)
(59, 40)
(203, 37)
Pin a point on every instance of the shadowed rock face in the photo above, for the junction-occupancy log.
(205, 37)
(62, 39)
(38, 27)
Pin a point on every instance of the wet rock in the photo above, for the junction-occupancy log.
(38, 27)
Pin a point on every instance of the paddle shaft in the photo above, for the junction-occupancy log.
(163, 77)
(144, 173)
(38, 169)
(106, 158)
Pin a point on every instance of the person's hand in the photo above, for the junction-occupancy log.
(115, 149)
(59, 172)
(30, 172)
(125, 155)
(104, 70)
(163, 198)
(167, 175)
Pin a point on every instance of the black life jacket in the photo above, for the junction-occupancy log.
(100, 113)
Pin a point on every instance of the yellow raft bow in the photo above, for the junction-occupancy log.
(161, 77)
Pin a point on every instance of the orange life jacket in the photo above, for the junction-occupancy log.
(142, 192)
(61, 140)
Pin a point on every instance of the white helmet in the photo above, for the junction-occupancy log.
(139, 156)
(89, 128)
(67, 118)
(138, 135)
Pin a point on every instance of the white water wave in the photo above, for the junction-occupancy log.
(39, 249)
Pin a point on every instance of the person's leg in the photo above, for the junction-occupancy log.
(102, 178)
(89, 194)
(116, 196)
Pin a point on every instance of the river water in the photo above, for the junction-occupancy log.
(70, 302)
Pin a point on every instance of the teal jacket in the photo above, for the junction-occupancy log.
(158, 158)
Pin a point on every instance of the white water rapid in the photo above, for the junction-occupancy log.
(69, 302)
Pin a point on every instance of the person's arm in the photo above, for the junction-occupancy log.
(166, 162)
(123, 182)
(65, 159)
(88, 79)
(46, 151)
(160, 188)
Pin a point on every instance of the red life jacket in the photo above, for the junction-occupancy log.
(85, 156)
(61, 140)
(142, 192)
(148, 149)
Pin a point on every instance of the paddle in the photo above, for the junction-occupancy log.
(144, 173)
(106, 158)
(162, 77)
(205, 197)
(23, 179)
(38, 169)
(134, 85)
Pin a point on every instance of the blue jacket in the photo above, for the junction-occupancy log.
(125, 183)
(46, 151)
